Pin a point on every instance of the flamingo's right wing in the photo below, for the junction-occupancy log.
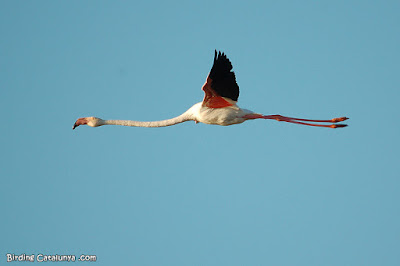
(221, 89)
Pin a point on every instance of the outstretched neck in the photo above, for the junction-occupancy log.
(163, 123)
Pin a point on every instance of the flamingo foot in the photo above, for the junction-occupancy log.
(338, 125)
(339, 119)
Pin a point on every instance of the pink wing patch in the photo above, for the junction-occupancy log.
(217, 102)
(211, 98)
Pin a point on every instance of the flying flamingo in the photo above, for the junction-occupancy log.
(218, 106)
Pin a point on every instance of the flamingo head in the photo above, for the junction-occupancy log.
(90, 121)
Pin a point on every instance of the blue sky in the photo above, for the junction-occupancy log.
(259, 193)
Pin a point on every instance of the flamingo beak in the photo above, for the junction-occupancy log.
(80, 121)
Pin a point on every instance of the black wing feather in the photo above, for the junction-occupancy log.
(223, 79)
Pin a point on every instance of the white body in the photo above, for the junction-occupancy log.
(218, 116)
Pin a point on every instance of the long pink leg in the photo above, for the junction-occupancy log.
(296, 120)
(279, 117)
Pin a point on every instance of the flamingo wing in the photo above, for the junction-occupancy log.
(221, 89)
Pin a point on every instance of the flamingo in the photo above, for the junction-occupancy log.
(218, 106)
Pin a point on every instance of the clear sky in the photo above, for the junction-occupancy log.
(259, 193)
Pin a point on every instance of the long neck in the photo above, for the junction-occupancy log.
(163, 123)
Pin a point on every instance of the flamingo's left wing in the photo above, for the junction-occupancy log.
(221, 89)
